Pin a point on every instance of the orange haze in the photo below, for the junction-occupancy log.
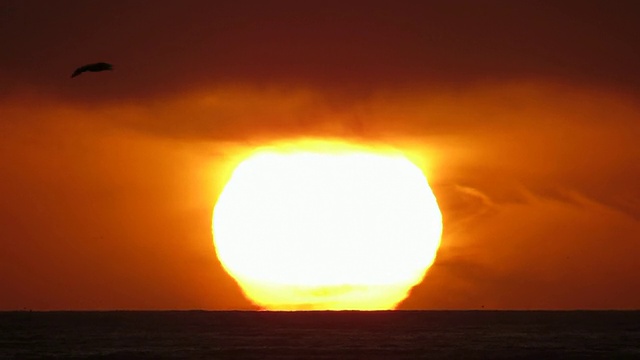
(525, 120)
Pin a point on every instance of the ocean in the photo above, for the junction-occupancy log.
(320, 335)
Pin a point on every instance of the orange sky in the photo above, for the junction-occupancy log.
(524, 115)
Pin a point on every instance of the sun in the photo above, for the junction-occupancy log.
(326, 226)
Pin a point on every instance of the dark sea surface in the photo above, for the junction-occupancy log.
(321, 335)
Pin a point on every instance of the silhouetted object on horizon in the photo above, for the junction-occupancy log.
(101, 66)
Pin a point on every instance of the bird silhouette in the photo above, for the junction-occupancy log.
(100, 66)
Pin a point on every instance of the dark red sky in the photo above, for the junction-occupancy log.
(169, 47)
(526, 114)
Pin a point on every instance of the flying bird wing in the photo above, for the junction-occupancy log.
(101, 66)
(78, 71)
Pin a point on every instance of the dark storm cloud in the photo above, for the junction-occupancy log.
(165, 47)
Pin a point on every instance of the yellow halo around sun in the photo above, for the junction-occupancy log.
(326, 226)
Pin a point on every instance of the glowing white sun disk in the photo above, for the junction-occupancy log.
(316, 229)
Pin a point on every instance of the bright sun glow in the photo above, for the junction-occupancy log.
(326, 226)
